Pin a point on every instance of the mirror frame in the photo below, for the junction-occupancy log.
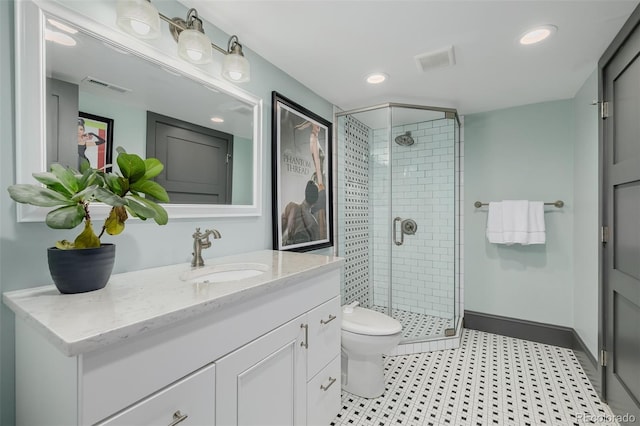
(30, 120)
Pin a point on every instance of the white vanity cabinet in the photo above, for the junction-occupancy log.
(267, 352)
(290, 376)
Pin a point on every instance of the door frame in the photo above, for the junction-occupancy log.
(630, 26)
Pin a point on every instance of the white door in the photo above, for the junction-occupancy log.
(264, 382)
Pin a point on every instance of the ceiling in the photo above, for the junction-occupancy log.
(331, 45)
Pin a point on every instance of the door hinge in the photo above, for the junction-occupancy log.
(603, 358)
(604, 234)
(228, 158)
(604, 109)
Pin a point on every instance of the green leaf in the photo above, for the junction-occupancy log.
(115, 184)
(131, 166)
(65, 217)
(66, 177)
(38, 196)
(161, 217)
(65, 245)
(87, 238)
(140, 210)
(88, 178)
(107, 197)
(46, 178)
(114, 224)
(151, 188)
(153, 168)
(84, 165)
(86, 194)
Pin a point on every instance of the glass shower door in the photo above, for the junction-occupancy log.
(423, 181)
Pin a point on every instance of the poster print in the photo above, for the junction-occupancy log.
(302, 187)
(95, 140)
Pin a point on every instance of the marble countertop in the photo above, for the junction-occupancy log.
(135, 302)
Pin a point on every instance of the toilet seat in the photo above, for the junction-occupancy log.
(372, 323)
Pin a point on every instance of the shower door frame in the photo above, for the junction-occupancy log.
(449, 113)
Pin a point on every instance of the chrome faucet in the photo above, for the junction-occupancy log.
(201, 241)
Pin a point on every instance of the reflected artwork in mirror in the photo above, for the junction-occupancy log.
(99, 70)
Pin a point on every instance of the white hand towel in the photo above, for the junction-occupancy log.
(515, 221)
(494, 223)
(536, 228)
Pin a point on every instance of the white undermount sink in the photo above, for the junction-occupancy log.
(224, 273)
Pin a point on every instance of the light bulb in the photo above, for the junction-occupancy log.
(140, 28)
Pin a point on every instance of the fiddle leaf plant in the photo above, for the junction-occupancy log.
(71, 192)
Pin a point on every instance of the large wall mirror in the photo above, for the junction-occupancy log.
(135, 89)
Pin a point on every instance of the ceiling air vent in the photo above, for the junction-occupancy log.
(96, 82)
(436, 59)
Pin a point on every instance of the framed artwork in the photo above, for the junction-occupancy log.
(95, 140)
(302, 179)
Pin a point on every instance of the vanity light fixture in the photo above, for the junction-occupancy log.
(537, 34)
(136, 18)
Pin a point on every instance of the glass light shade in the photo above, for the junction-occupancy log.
(138, 18)
(235, 68)
(195, 47)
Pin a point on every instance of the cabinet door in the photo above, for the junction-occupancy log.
(189, 401)
(264, 382)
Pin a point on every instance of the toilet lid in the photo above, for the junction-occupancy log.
(366, 321)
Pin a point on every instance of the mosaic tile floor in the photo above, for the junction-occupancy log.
(416, 325)
(489, 380)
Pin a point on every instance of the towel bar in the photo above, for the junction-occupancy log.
(559, 204)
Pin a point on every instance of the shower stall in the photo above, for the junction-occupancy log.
(398, 190)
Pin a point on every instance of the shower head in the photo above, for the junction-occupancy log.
(405, 139)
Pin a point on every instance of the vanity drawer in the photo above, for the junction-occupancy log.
(323, 395)
(324, 335)
(191, 398)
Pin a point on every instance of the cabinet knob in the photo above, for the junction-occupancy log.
(332, 380)
(331, 318)
(178, 417)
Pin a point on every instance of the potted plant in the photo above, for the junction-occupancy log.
(85, 264)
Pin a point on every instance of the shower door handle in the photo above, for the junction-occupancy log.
(395, 239)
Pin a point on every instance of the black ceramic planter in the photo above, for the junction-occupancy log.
(81, 270)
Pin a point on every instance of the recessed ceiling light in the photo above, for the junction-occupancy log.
(61, 26)
(217, 119)
(376, 78)
(537, 34)
(58, 37)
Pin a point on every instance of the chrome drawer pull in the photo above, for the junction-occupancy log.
(305, 343)
(178, 417)
(331, 318)
(331, 382)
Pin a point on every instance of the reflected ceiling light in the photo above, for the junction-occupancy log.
(376, 78)
(58, 37)
(64, 27)
(537, 34)
(138, 18)
(217, 119)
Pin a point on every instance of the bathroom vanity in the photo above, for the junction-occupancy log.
(253, 339)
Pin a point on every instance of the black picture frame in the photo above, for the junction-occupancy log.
(302, 205)
(98, 133)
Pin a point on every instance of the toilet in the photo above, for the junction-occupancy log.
(366, 336)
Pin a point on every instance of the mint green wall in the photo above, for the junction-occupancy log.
(585, 215)
(130, 123)
(520, 153)
(242, 171)
(23, 262)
